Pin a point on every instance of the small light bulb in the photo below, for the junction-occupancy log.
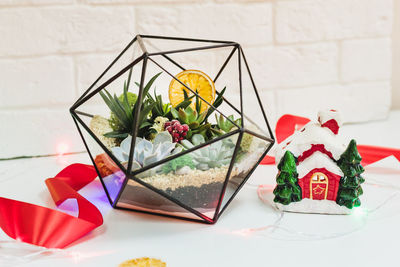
(62, 148)
(359, 211)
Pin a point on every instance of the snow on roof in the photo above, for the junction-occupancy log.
(320, 160)
(326, 115)
(311, 134)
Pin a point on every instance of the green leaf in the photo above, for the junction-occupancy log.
(150, 98)
(166, 108)
(218, 101)
(126, 102)
(198, 103)
(174, 113)
(106, 100)
(121, 113)
(145, 111)
(116, 135)
(185, 103)
(182, 116)
(145, 124)
(150, 83)
(189, 134)
(191, 114)
(129, 78)
(185, 95)
(114, 107)
(202, 117)
(193, 125)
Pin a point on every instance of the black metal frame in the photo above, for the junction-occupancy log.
(240, 130)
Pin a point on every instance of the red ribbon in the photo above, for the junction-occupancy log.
(49, 228)
(288, 124)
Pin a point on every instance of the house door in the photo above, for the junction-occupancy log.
(318, 186)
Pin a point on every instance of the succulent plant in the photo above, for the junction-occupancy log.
(114, 122)
(224, 125)
(196, 120)
(176, 130)
(214, 155)
(218, 101)
(164, 110)
(147, 152)
(122, 111)
(193, 119)
(179, 165)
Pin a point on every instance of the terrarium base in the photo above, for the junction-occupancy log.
(196, 189)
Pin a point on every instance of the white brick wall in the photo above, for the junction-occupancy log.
(304, 55)
(318, 20)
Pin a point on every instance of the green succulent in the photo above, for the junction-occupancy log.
(218, 101)
(193, 119)
(224, 125)
(122, 112)
(147, 152)
(115, 124)
(214, 155)
(178, 163)
(161, 109)
(196, 120)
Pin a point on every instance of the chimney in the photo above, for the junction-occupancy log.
(330, 119)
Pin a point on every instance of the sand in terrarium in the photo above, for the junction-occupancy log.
(196, 188)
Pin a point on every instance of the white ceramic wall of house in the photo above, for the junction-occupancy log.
(304, 54)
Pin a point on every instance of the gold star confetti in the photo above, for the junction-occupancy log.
(143, 262)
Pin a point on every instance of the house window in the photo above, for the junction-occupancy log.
(319, 186)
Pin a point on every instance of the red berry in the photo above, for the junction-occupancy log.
(176, 130)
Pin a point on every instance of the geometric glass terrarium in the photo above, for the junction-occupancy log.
(174, 126)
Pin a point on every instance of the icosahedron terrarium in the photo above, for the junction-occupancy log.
(174, 126)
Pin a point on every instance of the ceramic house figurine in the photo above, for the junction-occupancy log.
(318, 173)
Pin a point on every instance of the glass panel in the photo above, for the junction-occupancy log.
(253, 109)
(194, 179)
(111, 175)
(112, 126)
(138, 197)
(229, 78)
(250, 152)
(108, 67)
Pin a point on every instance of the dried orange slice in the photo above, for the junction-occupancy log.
(143, 262)
(195, 80)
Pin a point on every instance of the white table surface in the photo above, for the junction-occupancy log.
(373, 241)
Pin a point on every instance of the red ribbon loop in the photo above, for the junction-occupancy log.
(49, 228)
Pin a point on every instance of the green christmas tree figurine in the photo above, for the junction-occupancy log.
(350, 184)
(287, 189)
